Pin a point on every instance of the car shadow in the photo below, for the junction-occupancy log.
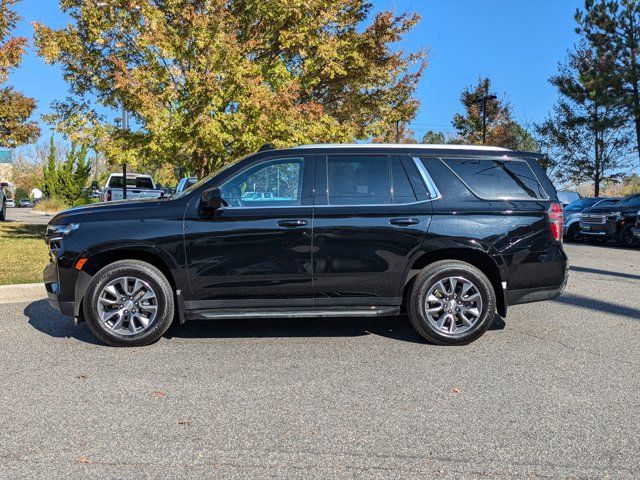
(49, 321)
(598, 271)
(46, 319)
(587, 303)
(396, 328)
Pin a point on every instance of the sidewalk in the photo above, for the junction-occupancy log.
(29, 292)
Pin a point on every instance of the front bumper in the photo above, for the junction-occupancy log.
(57, 299)
(636, 231)
(605, 230)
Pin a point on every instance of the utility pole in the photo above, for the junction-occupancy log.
(125, 127)
(483, 100)
(397, 131)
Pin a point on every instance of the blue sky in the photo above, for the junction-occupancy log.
(518, 44)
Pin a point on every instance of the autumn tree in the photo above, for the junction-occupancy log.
(502, 129)
(208, 81)
(586, 135)
(15, 108)
(612, 28)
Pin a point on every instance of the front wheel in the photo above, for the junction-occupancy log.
(129, 304)
(573, 233)
(626, 238)
(451, 303)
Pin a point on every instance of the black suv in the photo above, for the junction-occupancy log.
(447, 234)
(612, 222)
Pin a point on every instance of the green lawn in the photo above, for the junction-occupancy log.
(23, 253)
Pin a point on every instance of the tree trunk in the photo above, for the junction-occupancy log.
(596, 154)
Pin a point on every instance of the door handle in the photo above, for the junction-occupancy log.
(292, 223)
(404, 221)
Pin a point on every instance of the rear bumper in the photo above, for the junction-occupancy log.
(538, 294)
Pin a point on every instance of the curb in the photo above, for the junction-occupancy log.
(28, 292)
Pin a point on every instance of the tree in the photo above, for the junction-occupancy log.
(434, 138)
(586, 133)
(15, 108)
(502, 129)
(66, 180)
(209, 81)
(613, 28)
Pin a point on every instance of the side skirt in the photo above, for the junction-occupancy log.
(291, 312)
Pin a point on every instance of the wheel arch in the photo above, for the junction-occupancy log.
(474, 256)
(98, 261)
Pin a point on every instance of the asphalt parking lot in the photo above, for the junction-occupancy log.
(27, 215)
(551, 391)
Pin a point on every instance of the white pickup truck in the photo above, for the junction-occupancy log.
(138, 186)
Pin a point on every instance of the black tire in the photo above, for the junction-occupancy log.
(573, 233)
(429, 277)
(626, 238)
(143, 271)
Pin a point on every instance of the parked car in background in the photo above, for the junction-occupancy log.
(11, 203)
(3, 203)
(636, 230)
(185, 183)
(138, 186)
(25, 203)
(574, 209)
(448, 234)
(566, 197)
(611, 222)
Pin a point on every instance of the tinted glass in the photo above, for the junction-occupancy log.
(605, 203)
(581, 204)
(139, 182)
(498, 179)
(358, 180)
(402, 190)
(630, 202)
(274, 183)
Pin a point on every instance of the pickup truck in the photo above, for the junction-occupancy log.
(138, 186)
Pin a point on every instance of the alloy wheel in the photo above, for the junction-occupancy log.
(127, 306)
(453, 305)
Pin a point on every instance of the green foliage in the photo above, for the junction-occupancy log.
(502, 129)
(15, 109)
(433, 138)
(612, 31)
(631, 185)
(66, 180)
(208, 82)
(586, 135)
(20, 194)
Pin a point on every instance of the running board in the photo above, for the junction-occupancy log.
(292, 313)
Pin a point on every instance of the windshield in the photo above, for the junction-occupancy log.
(630, 202)
(135, 182)
(581, 204)
(197, 185)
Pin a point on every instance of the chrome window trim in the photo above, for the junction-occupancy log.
(432, 189)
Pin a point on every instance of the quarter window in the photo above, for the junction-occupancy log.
(359, 180)
(274, 183)
(497, 178)
(402, 190)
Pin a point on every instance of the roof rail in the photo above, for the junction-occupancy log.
(406, 146)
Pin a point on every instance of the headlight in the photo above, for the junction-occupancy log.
(55, 233)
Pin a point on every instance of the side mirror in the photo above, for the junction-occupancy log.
(211, 200)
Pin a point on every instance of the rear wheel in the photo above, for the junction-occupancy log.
(451, 303)
(129, 303)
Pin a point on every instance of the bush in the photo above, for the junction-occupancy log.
(20, 194)
(51, 205)
(84, 201)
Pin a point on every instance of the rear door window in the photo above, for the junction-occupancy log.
(358, 180)
(497, 179)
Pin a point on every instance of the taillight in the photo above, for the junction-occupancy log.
(556, 221)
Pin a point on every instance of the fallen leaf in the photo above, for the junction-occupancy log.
(456, 390)
(159, 394)
(83, 459)
(184, 421)
(81, 377)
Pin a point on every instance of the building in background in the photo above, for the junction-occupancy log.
(6, 165)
